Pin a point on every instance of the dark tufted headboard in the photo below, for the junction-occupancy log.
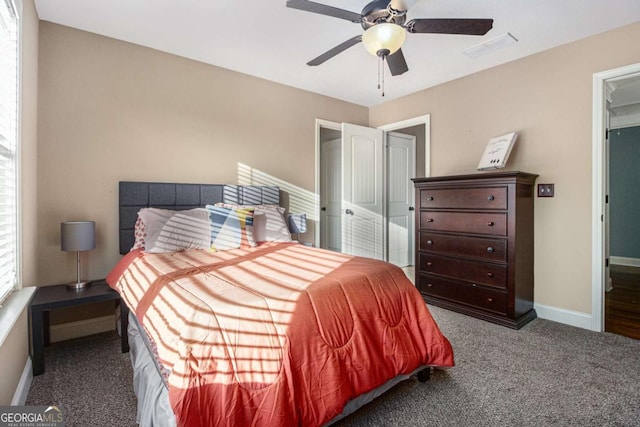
(137, 195)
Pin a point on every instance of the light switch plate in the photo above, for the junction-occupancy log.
(545, 190)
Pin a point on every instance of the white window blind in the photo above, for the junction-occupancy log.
(8, 147)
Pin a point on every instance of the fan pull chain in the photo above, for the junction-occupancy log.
(382, 66)
(378, 64)
(382, 54)
(381, 73)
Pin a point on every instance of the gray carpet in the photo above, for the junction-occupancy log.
(90, 379)
(544, 374)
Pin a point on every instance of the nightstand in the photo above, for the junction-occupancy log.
(59, 296)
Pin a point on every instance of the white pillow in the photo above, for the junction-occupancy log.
(173, 231)
(259, 226)
(272, 227)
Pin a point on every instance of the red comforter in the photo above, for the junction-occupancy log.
(278, 335)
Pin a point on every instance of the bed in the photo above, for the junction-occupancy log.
(275, 333)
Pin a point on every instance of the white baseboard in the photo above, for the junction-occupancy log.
(81, 328)
(22, 391)
(561, 315)
(629, 262)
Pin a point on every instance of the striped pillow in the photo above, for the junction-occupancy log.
(231, 228)
(269, 222)
(172, 231)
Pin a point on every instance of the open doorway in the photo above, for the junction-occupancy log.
(329, 181)
(622, 296)
(616, 152)
(419, 128)
(400, 152)
(414, 130)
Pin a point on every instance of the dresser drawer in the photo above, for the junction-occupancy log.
(465, 222)
(474, 247)
(463, 293)
(467, 198)
(472, 271)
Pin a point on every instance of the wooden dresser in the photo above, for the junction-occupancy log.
(474, 244)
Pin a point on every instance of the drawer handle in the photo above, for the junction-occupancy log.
(491, 198)
(429, 242)
(429, 285)
(429, 263)
(490, 274)
(490, 223)
(489, 299)
(429, 219)
(490, 249)
(430, 198)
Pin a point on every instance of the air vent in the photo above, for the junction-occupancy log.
(490, 46)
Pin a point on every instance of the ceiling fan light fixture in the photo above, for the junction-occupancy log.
(383, 36)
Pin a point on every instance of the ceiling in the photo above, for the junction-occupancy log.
(264, 38)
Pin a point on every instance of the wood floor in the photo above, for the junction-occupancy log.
(622, 304)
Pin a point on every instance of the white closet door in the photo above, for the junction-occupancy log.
(401, 166)
(362, 191)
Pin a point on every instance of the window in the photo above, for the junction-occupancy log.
(8, 147)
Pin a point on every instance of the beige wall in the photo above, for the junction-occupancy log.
(547, 99)
(111, 111)
(15, 348)
(13, 354)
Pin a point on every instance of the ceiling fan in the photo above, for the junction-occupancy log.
(385, 28)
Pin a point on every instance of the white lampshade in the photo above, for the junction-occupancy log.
(383, 37)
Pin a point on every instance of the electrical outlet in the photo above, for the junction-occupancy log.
(545, 190)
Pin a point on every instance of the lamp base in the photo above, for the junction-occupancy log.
(78, 286)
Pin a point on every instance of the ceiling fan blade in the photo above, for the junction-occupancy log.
(475, 27)
(336, 50)
(397, 63)
(323, 9)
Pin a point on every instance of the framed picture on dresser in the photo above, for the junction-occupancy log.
(497, 152)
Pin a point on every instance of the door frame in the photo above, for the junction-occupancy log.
(322, 197)
(321, 123)
(415, 121)
(412, 221)
(598, 188)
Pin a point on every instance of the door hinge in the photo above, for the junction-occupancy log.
(606, 134)
(606, 262)
(606, 198)
(602, 218)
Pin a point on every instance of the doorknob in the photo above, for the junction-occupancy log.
(411, 208)
(324, 208)
(348, 212)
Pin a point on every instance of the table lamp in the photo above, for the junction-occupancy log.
(78, 236)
